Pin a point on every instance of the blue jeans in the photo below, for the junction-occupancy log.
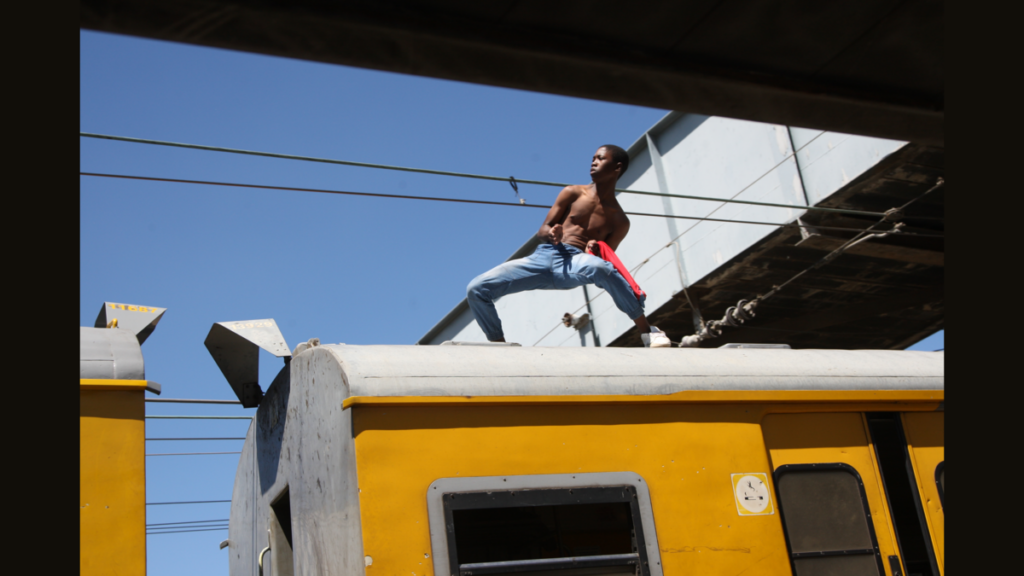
(550, 267)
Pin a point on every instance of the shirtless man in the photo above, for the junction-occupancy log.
(581, 216)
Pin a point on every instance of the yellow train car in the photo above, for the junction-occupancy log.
(497, 459)
(112, 429)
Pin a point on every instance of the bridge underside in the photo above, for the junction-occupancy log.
(871, 67)
(882, 294)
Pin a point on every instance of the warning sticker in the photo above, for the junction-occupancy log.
(752, 495)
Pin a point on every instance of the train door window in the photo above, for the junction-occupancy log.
(827, 520)
(940, 481)
(281, 536)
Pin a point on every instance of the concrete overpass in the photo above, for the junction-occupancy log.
(870, 67)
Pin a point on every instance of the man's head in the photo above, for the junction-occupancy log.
(609, 161)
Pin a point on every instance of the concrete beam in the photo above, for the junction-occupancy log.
(466, 47)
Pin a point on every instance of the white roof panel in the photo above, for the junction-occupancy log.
(537, 371)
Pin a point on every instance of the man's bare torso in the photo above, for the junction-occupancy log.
(588, 218)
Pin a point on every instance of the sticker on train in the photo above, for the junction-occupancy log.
(752, 495)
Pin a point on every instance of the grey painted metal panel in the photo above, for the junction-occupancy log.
(803, 136)
(462, 327)
(437, 489)
(832, 160)
(264, 333)
(244, 523)
(301, 440)
(530, 371)
(110, 353)
(139, 320)
(235, 348)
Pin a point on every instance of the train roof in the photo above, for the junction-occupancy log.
(380, 371)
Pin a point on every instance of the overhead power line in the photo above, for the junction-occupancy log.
(190, 401)
(155, 439)
(189, 522)
(190, 453)
(187, 502)
(202, 417)
(465, 174)
(459, 200)
(184, 531)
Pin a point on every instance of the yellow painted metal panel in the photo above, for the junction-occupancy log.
(931, 397)
(926, 441)
(112, 482)
(833, 438)
(686, 454)
(109, 384)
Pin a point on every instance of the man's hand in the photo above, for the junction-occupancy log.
(592, 247)
(555, 234)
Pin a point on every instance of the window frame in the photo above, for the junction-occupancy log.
(818, 467)
(544, 489)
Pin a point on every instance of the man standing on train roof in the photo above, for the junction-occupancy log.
(581, 216)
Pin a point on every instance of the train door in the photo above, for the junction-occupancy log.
(834, 501)
(926, 451)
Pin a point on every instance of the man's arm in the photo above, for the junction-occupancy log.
(551, 230)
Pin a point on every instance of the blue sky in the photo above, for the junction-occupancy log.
(342, 269)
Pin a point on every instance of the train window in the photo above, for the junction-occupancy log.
(940, 481)
(827, 521)
(593, 530)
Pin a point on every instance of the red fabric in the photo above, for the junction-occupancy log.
(605, 252)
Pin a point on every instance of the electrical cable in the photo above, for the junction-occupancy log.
(184, 531)
(187, 502)
(155, 439)
(467, 175)
(189, 522)
(190, 453)
(458, 200)
(191, 401)
(171, 529)
(202, 417)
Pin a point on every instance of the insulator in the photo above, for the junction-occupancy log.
(730, 318)
(741, 313)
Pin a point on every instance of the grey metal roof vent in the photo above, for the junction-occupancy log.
(140, 320)
(235, 348)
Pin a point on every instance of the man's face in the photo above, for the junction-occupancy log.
(602, 166)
